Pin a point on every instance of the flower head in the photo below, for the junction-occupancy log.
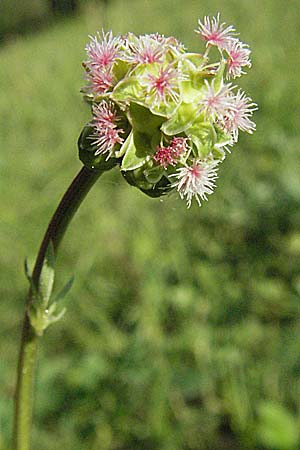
(162, 86)
(215, 103)
(196, 180)
(170, 43)
(214, 32)
(106, 134)
(102, 51)
(100, 81)
(145, 49)
(239, 115)
(238, 57)
(166, 116)
(169, 155)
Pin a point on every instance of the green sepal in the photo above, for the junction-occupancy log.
(87, 152)
(188, 93)
(218, 79)
(218, 153)
(182, 119)
(195, 60)
(163, 109)
(120, 69)
(223, 138)
(135, 155)
(193, 81)
(203, 136)
(128, 89)
(143, 120)
(154, 174)
(138, 179)
(162, 187)
(138, 148)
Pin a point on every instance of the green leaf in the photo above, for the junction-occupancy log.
(53, 314)
(277, 427)
(47, 275)
(27, 270)
(64, 291)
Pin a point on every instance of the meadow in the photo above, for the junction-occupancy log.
(182, 329)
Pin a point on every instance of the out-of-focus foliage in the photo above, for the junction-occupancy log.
(17, 16)
(23, 16)
(182, 330)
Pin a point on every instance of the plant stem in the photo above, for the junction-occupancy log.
(66, 209)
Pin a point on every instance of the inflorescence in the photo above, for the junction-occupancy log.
(166, 116)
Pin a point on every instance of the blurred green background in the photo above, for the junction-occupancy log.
(183, 326)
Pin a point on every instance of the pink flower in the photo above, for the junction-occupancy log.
(106, 134)
(169, 42)
(166, 156)
(239, 115)
(179, 146)
(102, 51)
(216, 103)
(214, 32)
(146, 49)
(238, 57)
(162, 86)
(105, 114)
(100, 81)
(196, 180)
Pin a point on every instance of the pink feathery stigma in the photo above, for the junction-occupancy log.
(147, 50)
(216, 103)
(168, 42)
(100, 80)
(105, 114)
(238, 57)
(214, 32)
(106, 134)
(106, 139)
(103, 50)
(196, 180)
(163, 84)
(166, 156)
(239, 115)
(179, 146)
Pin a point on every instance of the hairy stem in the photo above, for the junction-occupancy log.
(66, 209)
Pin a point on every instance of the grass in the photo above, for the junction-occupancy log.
(182, 329)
